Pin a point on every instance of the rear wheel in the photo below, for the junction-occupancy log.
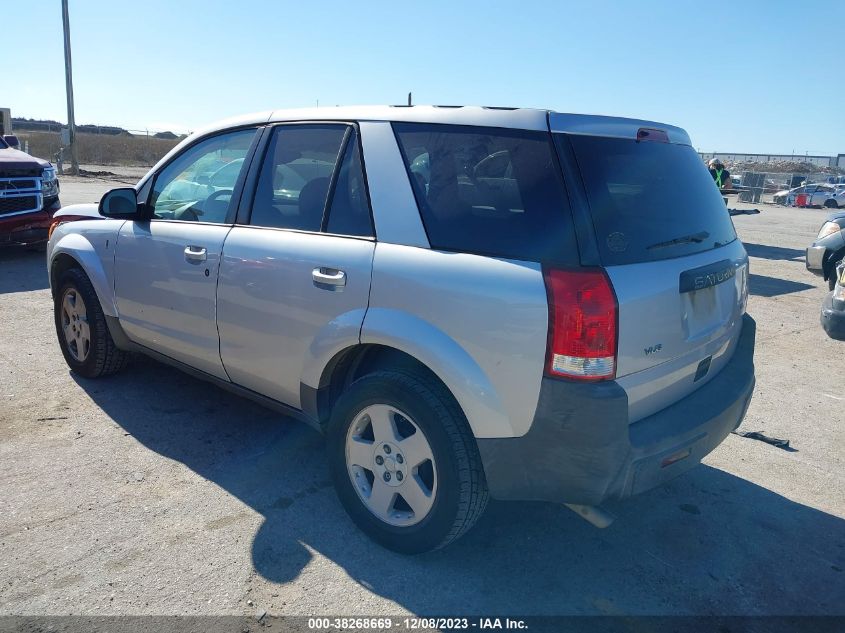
(405, 464)
(81, 327)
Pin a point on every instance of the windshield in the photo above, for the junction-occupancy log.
(3, 143)
(649, 200)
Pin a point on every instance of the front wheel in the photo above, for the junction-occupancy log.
(405, 464)
(830, 203)
(84, 337)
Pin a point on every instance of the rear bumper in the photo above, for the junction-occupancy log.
(581, 449)
(833, 317)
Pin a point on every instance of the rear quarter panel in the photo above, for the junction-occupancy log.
(477, 322)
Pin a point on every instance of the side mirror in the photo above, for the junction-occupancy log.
(12, 141)
(120, 203)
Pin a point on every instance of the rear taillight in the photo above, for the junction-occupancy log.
(582, 325)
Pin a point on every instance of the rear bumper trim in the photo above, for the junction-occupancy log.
(580, 448)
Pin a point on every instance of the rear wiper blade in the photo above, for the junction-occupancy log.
(694, 238)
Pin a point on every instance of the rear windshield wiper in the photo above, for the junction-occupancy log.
(694, 238)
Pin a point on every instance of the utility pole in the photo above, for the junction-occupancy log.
(71, 124)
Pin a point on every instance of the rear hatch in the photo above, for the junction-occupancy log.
(663, 234)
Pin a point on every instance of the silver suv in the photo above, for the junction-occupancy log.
(468, 302)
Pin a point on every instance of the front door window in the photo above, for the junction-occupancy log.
(198, 185)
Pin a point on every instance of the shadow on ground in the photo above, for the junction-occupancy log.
(22, 269)
(765, 286)
(765, 251)
(708, 542)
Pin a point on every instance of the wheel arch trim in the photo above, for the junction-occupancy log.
(82, 251)
(338, 335)
(447, 360)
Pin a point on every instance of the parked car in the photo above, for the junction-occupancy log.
(828, 249)
(29, 195)
(837, 200)
(833, 308)
(468, 302)
(817, 195)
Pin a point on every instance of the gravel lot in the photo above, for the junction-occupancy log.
(154, 493)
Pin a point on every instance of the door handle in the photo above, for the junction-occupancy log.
(328, 278)
(195, 254)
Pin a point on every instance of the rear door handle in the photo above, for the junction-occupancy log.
(195, 254)
(328, 278)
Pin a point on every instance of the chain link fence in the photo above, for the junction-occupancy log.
(757, 186)
(759, 177)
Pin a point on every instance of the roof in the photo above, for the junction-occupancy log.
(518, 118)
(514, 118)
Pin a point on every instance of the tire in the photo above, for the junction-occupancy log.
(453, 476)
(77, 309)
(830, 203)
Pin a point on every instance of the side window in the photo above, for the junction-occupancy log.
(296, 175)
(349, 213)
(489, 191)
(198, 185)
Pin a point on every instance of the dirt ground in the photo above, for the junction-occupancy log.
(153, 493)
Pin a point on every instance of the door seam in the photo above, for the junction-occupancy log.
(216, 305)
(369, 292)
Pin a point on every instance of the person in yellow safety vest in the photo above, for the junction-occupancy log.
(721, 176)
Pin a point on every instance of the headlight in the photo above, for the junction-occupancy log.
(828, 228)
(49, 182)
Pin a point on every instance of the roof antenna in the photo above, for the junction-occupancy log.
(409, 99)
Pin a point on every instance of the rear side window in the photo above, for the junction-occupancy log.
(649, 200)
(489, 191)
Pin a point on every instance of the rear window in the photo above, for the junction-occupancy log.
(649, 200)
(489, 191)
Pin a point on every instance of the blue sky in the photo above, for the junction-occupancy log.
(739, 76)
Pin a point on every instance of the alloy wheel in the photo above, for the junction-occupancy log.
(75, 325)
(391, 465)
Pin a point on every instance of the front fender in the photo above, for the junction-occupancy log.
(93, 250)
(448, 360)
